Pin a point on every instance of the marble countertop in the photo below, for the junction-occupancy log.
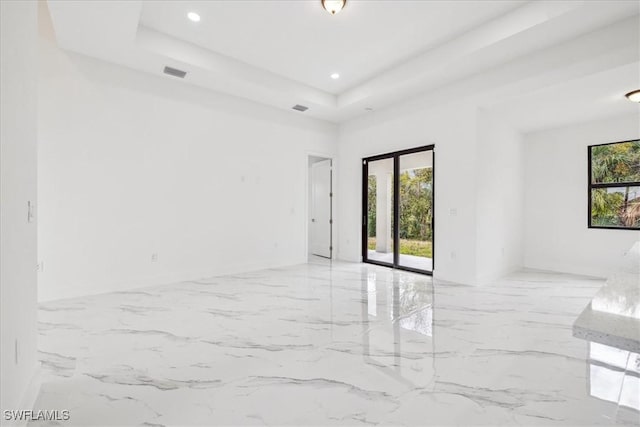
(614, 330)
(613, 315)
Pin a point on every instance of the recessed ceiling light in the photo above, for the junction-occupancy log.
(634, 96)
(335, 76)
(333, 6)
(193, 16)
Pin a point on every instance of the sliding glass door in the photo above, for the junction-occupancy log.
(416, 211)
(398, 207)
(380, 212)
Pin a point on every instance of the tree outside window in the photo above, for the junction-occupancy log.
(614, 185)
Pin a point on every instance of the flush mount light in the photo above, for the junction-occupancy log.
(193, 16)
(634, 96)
(333, 6)
(335, 76)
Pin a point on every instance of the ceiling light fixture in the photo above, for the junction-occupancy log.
(335, 76)
(634, 96)
(333, 6)
(193, 16)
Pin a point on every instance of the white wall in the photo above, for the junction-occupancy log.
(479, 180)
(132, 165)
(18, 136)
(452, 128)
(500, 198)
(556, 233)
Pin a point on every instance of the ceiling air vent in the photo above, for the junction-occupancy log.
(299, 107)
(175, 72)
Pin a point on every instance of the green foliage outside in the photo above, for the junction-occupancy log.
(409, 247)
(371, 206)
(416, 212)
(619, 206)
(616, 163)
(416, 209)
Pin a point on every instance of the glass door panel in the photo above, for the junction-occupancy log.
(379, 211)
(415, 210)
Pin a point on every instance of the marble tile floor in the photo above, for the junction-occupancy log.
(321, 344)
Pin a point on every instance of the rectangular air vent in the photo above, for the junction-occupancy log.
(299, 107)
(175, 72)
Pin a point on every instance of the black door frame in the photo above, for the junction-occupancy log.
(396, 208)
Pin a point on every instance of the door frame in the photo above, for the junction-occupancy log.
(332, 203)
(395, 155)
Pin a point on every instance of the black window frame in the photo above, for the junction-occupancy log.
(593, 186)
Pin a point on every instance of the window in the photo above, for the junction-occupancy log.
(614, 185)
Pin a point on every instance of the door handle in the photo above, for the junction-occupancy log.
(313, 220)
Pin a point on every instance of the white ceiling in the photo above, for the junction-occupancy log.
(298, 40)
(592, 97)
(281, 53)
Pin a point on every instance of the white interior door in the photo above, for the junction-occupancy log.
(320, 234)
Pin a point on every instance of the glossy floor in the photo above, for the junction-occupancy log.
(347, 344)
(411, 261)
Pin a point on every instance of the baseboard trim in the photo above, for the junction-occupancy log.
(173, 278)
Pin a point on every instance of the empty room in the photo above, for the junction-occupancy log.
(320, 212)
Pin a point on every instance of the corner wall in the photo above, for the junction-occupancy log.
(479, 182)
(500, 198)
(452, 128)
(18, 136)
(133, 165)
(556, 182)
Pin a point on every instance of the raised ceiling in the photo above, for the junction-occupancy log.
(300, 41)
(592, 97)
(281, 53)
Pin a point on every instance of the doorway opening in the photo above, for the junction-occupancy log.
(320, 225)
(398, 209)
